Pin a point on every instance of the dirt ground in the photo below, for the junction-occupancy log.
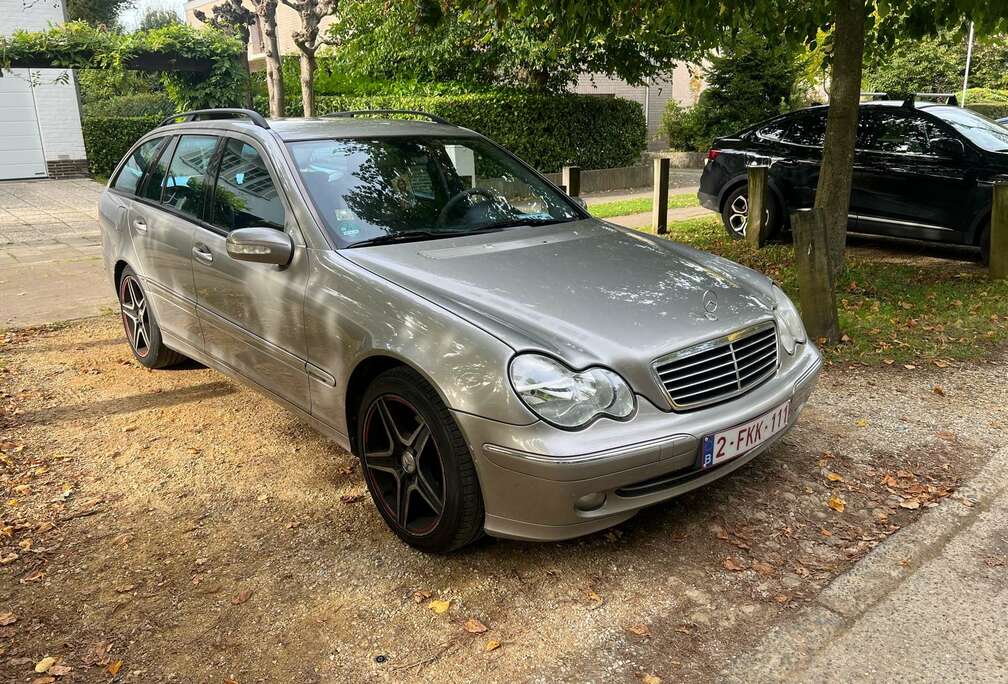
(175, 526)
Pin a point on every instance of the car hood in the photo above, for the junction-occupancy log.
(587, 292)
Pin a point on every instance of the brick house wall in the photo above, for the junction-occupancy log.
(56, 104)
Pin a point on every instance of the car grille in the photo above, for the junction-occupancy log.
(719, 369)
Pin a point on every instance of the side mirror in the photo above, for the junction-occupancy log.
(947, 147)
(261, 245)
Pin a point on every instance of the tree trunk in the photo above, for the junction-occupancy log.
(834, 189)
(308, 83)
(274, 71)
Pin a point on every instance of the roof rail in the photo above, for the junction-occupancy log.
(219, 113)
(950, 98)
(352, 114)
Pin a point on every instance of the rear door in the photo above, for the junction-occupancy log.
(798, 170)
(162, 220)
(252, 314)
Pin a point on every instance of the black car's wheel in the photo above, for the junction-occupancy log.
(417, 464)
(735, 213)
(142, 331)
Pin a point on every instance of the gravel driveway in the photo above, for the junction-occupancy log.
(174, 526)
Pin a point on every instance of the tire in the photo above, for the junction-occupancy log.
(985, 247)
(735, 213)
(433, 517)
(142, 332)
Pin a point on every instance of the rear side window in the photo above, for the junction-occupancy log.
(130, 175)
(187, 174)
(809, 130)
(245, 195)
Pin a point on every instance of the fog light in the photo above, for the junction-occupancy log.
(589, 502)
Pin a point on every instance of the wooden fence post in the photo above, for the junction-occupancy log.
(998, 255)
(572, 180)
(815, 282)
(659, 202)
(756, 228)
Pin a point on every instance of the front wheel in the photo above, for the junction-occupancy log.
(417, 465)
(735, 213)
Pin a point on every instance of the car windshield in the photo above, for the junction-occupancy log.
(981, 131)
(372, 191)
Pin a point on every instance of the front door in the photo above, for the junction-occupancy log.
(252, 314)
(162, 219)
(900, 186)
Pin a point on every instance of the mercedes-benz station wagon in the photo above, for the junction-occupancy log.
(500, 361)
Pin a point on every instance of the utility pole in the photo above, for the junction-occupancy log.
(969, 58)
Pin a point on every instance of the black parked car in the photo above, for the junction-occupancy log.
(922, 170)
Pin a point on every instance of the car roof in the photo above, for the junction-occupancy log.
(332, 127)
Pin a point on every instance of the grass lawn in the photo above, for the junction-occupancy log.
(894, 308)
(640, 206)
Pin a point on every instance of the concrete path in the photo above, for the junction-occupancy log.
(50, 252)
(929, 604)
(643, 221)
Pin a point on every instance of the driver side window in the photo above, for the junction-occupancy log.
(244, 194)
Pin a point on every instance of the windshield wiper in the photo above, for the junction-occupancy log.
(514, 223)
(412, 236)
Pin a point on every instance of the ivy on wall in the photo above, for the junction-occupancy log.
(199, 67)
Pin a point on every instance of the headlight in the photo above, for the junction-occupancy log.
(789, 323)
(569, 398)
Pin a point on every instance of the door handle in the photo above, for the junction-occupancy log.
(203, 253)
(140, 225)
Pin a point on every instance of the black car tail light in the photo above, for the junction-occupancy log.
(712, 154)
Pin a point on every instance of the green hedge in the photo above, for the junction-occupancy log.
(108, 139)
(547, 131)
(992, 110)
(141, 104)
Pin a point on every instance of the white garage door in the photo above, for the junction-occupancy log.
(20, 142)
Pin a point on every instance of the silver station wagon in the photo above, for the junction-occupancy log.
(500, 361)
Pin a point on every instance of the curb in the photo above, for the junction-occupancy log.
(787, 648)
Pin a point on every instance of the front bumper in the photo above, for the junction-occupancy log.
(533, 476)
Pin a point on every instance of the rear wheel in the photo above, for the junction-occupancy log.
(735, 213)
(417, 465)
(142, 331)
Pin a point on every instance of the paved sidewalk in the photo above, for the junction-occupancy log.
(929, 604)
(50, 252)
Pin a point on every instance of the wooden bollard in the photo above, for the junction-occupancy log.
(815, 282)
(756, 228)
(998, 255)
(659, 203)
(572, 180)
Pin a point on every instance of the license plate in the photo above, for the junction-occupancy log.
(727, 444)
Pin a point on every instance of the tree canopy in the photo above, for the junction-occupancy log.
(96, 12)
(399, 41)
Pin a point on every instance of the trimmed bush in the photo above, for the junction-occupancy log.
(547, 131)
(108, 139)
(992, 110)
(142, 104)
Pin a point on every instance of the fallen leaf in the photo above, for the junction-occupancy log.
(491, 645)
(114, 667)
(861, 422)
(419, 596)
(826, 533)
(911, 504)
(939, 390)
(834, 477)
(125, 588)
(43, 680)
(640, 630)
(733, 565)
(781, 598)
(7, 618)
(9, 558)
(351, 498)
(594, 597)
(35, 576)
(43, 665)
(763, 568)
(242, 596)
(651, 679)
(22, 489)
(439, 606)
(60, 670)
(909, 366)
(837, 504)
(474, 626)
(97, 654)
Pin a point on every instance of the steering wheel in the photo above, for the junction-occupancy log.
(465, 194)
